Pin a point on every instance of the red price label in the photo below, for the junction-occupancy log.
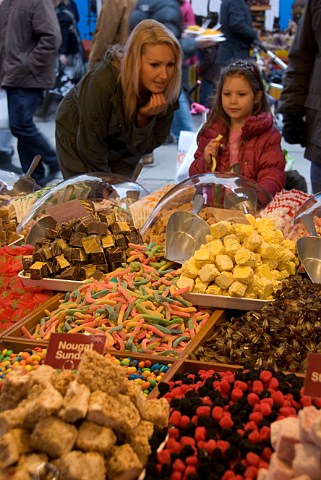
(312, 384)
(65, 350)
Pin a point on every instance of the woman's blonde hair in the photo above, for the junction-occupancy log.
(147, 32)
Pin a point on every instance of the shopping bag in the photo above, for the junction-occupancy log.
(187, 146)
(4, 115)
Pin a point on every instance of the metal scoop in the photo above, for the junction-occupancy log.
(39, 228)
(185, 233)
(26, 184)
(309, 250)
(241, 198)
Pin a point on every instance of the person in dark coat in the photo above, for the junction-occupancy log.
(300, 101)
(236, 20)
(123, 108)
(29, 42)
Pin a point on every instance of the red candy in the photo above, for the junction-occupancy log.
(265, 376)
(253, 399)
(179, 465)
(257, 386)
(203, 411)
(217, 413)
(164, 456)
(176, 475)
(175, 418)
(252, 459)
(226, 421)
(184, 421)
(237, 393)
(200, 433)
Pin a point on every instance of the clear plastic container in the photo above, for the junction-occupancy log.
(7, 180)
(310, 208)
(220, 190)
(104, 190)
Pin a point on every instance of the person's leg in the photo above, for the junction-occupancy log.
(22, 104)
(315, 174)
(182, 119)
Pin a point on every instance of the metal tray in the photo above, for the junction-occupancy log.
(51, 283)
(221, 301)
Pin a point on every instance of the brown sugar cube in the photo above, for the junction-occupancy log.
(99, 228)
(53, 437)
(123, 463)
(77, 238)
(107, 241)
(59, 263)
(27, 261)
(51, 233)
(98, 258)
(120, 241)
(87, 271)
(39, 270)
(71, 273)
(95, 438)
(77, 465)
(91, 244)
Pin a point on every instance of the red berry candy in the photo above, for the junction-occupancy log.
(200, 433)
(252, 458)
(184, 421)
(176, 475)
(265, 376)
(175, 418)
(179, 465)
(253, 399)
(237, 393)
(203, 411)
(164, 456)
(257, 386)
(226, 421)
(217, 413)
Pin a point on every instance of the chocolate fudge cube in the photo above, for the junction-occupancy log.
(71, 273)
(51, 233)
(91, 244)
(87, 271)
(59, 263)
(27, 261)
(97, 257)
(77, 238)
(134, 237)
(39, 270)
(107, 241)
(99, 228)
(120, 241)
(85, 222)
(115, 255)
(64, 231)
(39, 256)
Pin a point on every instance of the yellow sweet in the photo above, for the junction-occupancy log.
(237, 289)
(224, 263)
(224, 280)
(200, 286)
(208, 273)
(242, 256)
(243, 274)
(220, 229)
(183, 282)
(190, 268)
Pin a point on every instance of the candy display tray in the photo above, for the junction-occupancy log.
(30, 321)
(221, 301)
(51, 283)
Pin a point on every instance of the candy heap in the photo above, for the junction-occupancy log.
(138, 308)
(297, 445)
(241, 260)
(88, 425)
(220, 423)
(25, 361)
(16, 300)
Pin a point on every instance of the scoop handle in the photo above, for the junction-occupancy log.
(198, 202)
(309, 225)
(34, 164)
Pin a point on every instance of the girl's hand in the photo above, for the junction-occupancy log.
(211, 150)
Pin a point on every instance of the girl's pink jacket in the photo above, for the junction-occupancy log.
(260, 155)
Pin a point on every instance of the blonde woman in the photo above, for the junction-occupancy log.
(123, 108)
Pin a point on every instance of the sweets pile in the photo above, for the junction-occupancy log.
(241, 260)
(138, 308)
(16, 300)
(297, 447)
(8, 225)
(86, 247)
(220, 423)
(89, 425)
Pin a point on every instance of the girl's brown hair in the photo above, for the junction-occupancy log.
(251, 73)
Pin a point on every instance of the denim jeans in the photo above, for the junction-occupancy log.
(315, 175)
(22, 104)
(182, 117)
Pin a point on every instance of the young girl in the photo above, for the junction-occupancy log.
(239, 135)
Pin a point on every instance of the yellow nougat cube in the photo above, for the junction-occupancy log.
(290, 244)
(220, 229)
(251, 219)
(265, 223)
(271, 262)
(286, 255)
(272, 236)
(253, 241)
(190, 268)
(213, 289)
(202, 254)
(290, 267)
(243, 274)
(279, 275)
(232, 245)
(242, 256)
(224, 280)
(267, 250)
(263, 271)
(255, 260)
(208, 238)
(224, 263)
(237, 289)
(215, 247)
(243, 231)
(263, 287)
(184, 281)
(199, 286)
(208, 272)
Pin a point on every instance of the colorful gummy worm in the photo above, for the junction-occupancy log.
(138, 308)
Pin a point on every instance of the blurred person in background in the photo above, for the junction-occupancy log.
(300, 101)
(112, 28)
(29, 42)
(236, 24)
(123, 108)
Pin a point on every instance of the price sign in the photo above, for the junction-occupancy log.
(65, 350)
(312, 384)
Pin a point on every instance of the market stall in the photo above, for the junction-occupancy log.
(199, 359)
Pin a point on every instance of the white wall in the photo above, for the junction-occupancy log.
(200, 8)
